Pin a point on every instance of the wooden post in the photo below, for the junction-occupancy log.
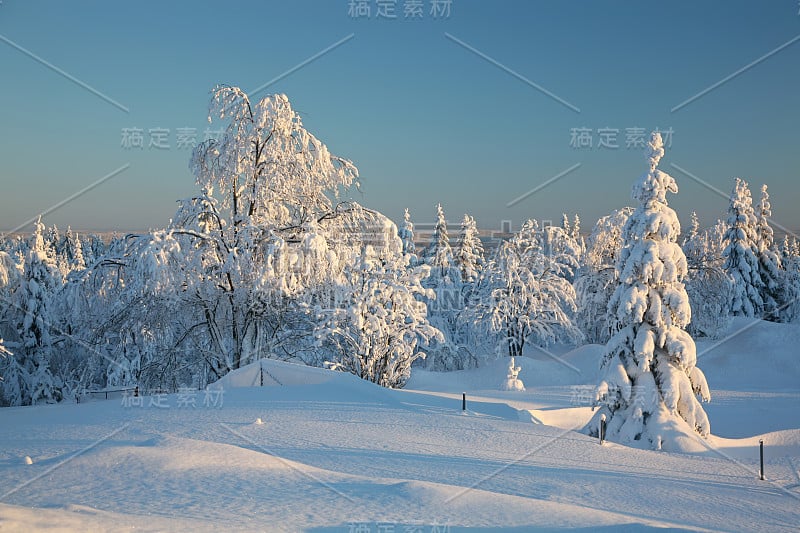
(463, 401)
(761, 446)
(602, 431)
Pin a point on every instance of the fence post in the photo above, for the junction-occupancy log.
(602, 432)
(463, 401)
(761, 446)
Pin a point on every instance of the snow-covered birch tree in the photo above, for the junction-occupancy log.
(265, 183)
(378, 322)
(527, 296)
(709, 287)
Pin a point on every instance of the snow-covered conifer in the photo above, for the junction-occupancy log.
(439, 254)
(565, 224)
(741, 253)
(469, 255)
(34, 321)
(777, 292)
(406, 234)
(648, 393)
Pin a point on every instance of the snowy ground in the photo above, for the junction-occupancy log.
(337, 454)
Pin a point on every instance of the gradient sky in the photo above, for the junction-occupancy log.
(425, 119)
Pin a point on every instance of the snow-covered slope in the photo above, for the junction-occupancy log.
(334, 453)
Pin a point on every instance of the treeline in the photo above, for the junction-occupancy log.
(267, 260)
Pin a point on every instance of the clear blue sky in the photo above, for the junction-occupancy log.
(424, 118)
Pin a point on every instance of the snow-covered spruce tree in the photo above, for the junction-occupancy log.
(791, 265)
(439, 254)
(691, 236)
(576, 233)
(15, 384)
(596, 279)
(72, 253)
(786, 248)
(469, 254)
(648, 393)
(444, 300)
(10, 277)
(378, 322)
(526, 295)
(13, 377)
(34, 321)
(777, 292)
(406, 234)
(741, 253)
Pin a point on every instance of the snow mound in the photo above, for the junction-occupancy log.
(272, 373)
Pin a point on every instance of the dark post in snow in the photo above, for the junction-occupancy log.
(761, 446)
(261, 373)
(463, 401)
(602, 432)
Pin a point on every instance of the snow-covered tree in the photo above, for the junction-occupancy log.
(439, 254)
(13, 377)
(512, 382)
(709, 287)
(791, 265)
(576, 231)
(650, 386)
(786, 248)
(267, 166)
(375, 330)
(741, 253)
(561, 249)
(573, 229)
(34, 321)
(596, 279)
(406, 234)
(777, 292)
(469, 254)
(276, 181)
(234, 275)
(526, 295)
(565, 223)
(445, 300)
(691, 235)
(15, 380)
(73, 251)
